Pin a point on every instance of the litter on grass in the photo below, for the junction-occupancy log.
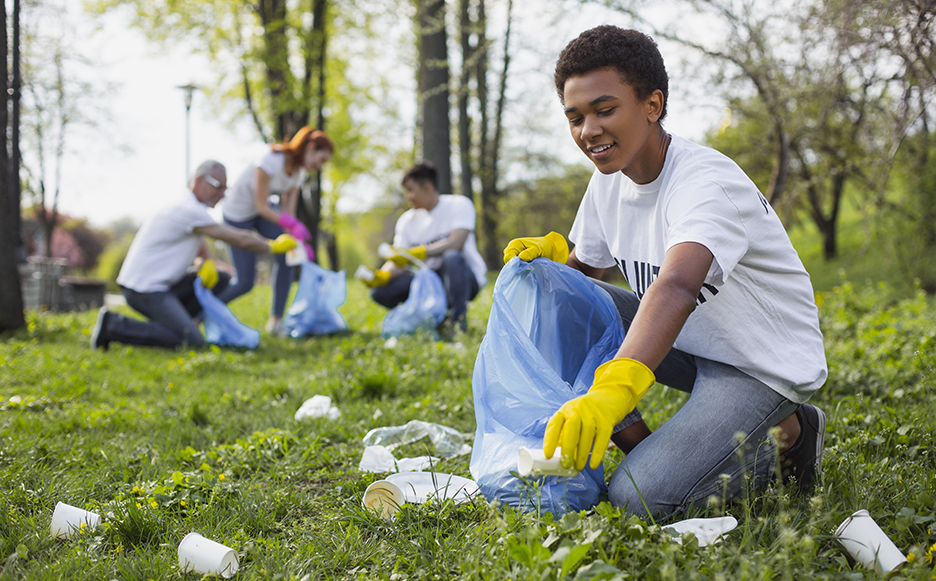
(706, 530)
(449, 442)
(318, 406)
(68, 520)
(380, 459)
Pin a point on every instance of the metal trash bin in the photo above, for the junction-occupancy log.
(39, 278)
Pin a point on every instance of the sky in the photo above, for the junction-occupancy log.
(131, 161)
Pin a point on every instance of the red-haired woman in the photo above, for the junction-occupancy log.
(248, 205)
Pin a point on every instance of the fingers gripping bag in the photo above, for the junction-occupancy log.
(314, 310)
(222, 327)
(424, 308)
(550, 328)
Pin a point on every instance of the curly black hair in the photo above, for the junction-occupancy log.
(632, 53)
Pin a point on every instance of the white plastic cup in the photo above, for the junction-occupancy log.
(384, 497)
(67, 519)
(867, 544)
(206, 557)
(297, 255)
(364, 273)
(534, 461)
(384, 250)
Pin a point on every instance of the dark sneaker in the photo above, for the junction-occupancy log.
(99, 338)
(803, 461)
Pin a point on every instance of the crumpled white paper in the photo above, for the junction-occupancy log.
(706, 530)
(377, 459)
(418, 464)
(318, 406)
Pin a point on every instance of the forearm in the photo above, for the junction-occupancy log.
(580, 266)
(455, 241)
(663, 311)
(289, 201)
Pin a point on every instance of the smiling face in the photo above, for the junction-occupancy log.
(209, 189)
(615, 129)
(420, 194)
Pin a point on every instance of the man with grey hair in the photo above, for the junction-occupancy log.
(158, 275)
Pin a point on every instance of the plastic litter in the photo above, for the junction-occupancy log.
(449, 442)
(417, 464)
(377, 459)
(67, 520)
(424, 308)
(222, 327)
(203, 556)
(317, 406)
(550, 328)
(706, 530)
(867, 544)
(314, 310)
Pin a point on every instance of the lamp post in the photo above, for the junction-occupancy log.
(189, 91)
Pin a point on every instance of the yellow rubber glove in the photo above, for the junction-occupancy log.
(208, 273)
(552, 246)
(399, 259)
(381, 277)
(283, 243)
(619, 385)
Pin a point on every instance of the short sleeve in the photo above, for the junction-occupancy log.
(591, 246)
(272, 163)
(463, 213)
(704, 214)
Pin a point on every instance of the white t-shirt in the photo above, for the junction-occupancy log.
(756, 310)
(420, 227)
(238, 203)
(165, 247)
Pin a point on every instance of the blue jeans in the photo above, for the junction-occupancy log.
(170, 315)
(245, 266)
(460, 287)
(716, 444)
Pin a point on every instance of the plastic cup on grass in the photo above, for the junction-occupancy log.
(867, 544)
(364, 273)
(206, 557)
(384, 497)
(68, 519)
(534, 461)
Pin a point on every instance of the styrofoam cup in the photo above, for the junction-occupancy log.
(384, 497)
(67, 519)
(534, 461)
(297, 255)
(363, 273)
(206, 557)
(384, 250)
(866, 543)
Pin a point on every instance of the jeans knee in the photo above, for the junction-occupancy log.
(452, 257)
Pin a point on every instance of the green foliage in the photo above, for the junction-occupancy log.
(534, 208)
(164, 442)
(111, 260)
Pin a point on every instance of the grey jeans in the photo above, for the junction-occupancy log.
(716, 444)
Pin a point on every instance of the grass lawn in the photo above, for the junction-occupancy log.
(166, 442)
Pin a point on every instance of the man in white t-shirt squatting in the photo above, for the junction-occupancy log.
(157, 277)
(438, 229)
(722, 307)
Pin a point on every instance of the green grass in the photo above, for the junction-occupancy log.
(166, 442)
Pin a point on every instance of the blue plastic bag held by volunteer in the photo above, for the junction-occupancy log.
(222, 327)
(550, 328)
(314, 310)
(424, 308)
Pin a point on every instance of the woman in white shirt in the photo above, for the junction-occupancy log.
(248, 205)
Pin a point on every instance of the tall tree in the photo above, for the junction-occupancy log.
(433, 86)
(465, 29)
(11, 294)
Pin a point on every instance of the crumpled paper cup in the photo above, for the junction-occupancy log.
(68, 519)
(867, 544)
(534, 461)
(384, 497)
(206, 557)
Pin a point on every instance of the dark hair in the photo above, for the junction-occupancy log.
(632, 53)
(423, 172)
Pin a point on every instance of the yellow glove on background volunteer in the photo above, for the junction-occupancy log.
(283, 243)
(381, 277)
(208, 273)
(418, 252)
(619, 385)
(552, 246)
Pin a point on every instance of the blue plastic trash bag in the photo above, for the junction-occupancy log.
(222, 327)
(550, 328)
(424, 308)
(314, 310)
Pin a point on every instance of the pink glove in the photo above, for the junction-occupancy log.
(294, 227)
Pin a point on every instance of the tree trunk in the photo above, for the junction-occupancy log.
(434, 90)
(464, 120)
(273, 17)
(11, 293)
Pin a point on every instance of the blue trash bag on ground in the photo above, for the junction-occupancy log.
(222, 327)
(550, 328)
(314, 310)
(424, 308)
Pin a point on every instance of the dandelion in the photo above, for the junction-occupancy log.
(84, 525)
(120, 548)
(139, 505)
(153, 503)
(180, 361)
(182, 503)
(929, 553)
(220, 476)
(186, 478)
(136, 490)
(911, 557)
